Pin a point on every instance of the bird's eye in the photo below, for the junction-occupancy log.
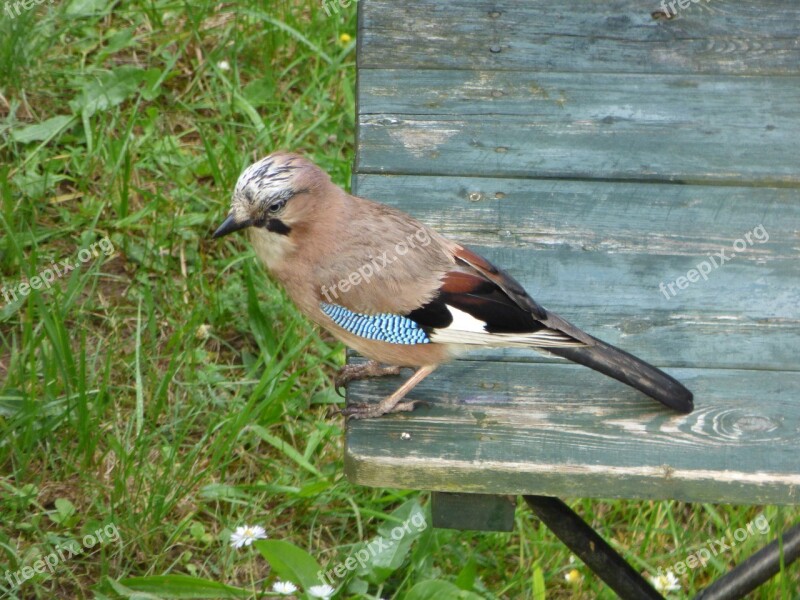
(277, 206)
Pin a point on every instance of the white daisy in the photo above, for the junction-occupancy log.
(244, 536)
(224, 65)
(665, 582)
(321, 591)
(284, 587)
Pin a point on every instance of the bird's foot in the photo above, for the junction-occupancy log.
(350, 373)
(370, 411)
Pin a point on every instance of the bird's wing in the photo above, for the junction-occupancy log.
(464, 300)
(479, 304)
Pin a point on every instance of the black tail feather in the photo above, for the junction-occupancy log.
(632, 371)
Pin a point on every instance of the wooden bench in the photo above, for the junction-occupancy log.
(599, 153)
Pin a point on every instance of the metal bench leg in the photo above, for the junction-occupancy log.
(754, 571)
(584, 542)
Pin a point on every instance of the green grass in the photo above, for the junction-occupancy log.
(170, 389)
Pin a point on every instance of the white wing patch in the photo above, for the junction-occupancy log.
(466, 329)
(463, 321)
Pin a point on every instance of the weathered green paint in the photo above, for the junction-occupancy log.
(478, 512)
(594, 153)
(596, 253)
(563, 430)
(595, 125)
(745, 37)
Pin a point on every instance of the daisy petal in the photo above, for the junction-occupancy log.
(321, 591)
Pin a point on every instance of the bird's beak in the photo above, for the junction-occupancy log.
(230, 225)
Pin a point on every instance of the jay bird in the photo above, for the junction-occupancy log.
(339, 258)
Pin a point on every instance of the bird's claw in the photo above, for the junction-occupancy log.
(341, 380)
(350, 373)
(370, 411)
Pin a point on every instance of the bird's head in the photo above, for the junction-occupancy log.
(274, 196)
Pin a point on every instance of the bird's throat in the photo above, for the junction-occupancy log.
(271, 247)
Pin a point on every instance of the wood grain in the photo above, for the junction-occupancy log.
(564, 430)
(597, 252)
(689, 129)
(745, 37)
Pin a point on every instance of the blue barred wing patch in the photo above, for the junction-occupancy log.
(384, 327)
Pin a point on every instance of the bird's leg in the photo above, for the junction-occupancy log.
(371, 368)
(391, 403)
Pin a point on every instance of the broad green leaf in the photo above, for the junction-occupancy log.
(108, 585)
(358, 587)
(83, 8)
(439, 590)
(405, 512)
(383, 555)
(40, 132)
(109, 89)
(183, 586)
(466, 578)
(290, 562)
(64, 510)
(152, 84)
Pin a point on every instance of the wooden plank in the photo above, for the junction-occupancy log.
(732, 130)
(525, 127)
(563, 430)
(597, 252)
(620, 36)
(595, 216)
(475, 512)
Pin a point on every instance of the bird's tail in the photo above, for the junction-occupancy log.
(620, 365)
(630, 370)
